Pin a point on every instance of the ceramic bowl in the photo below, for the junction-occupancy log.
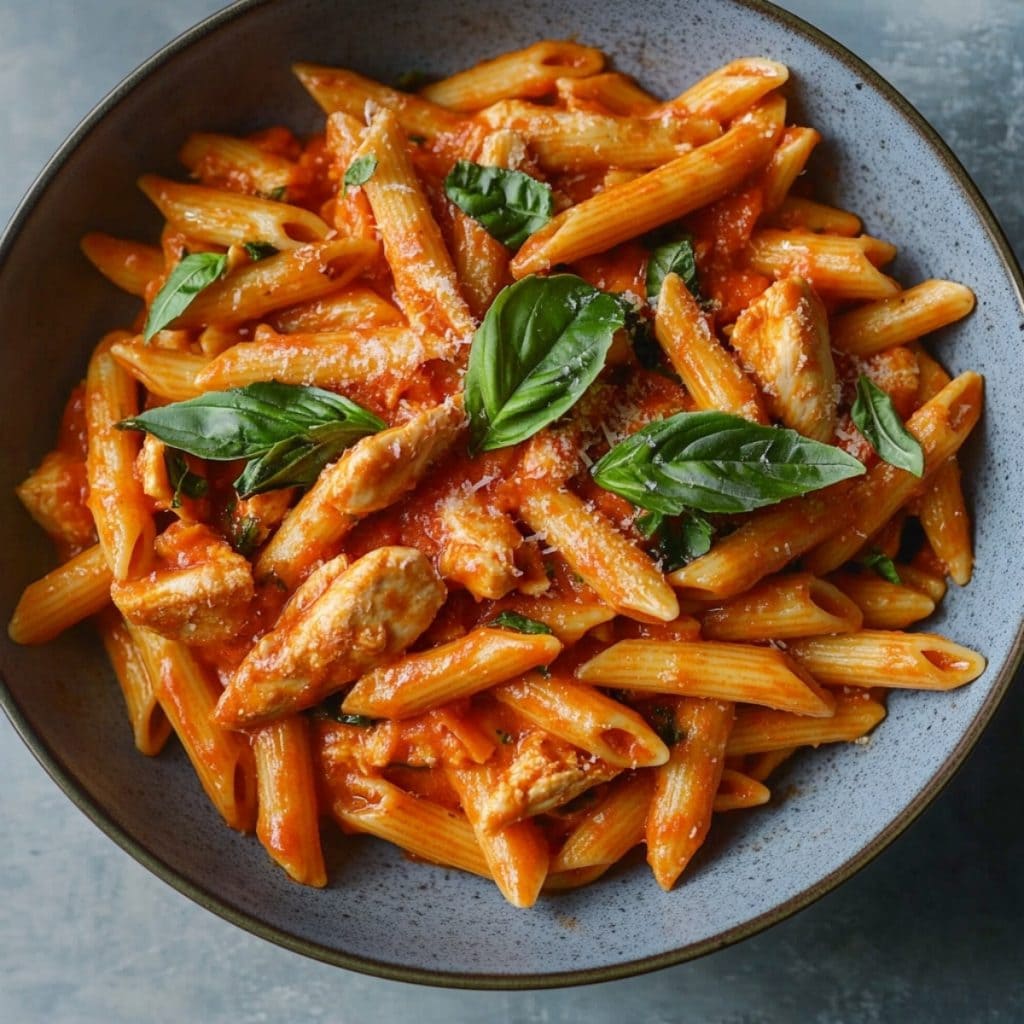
(383, 914)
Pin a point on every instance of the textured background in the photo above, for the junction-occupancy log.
(929, 931)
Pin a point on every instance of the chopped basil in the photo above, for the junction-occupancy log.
(541, 345)
(882, 564)
(244, 535)
(503, 737)
(509, 204)
(288, 432)
(278, 194)
(716, 462)
(663, 722)
(360, 171)
(675, 257)
(520, 623)
(196, 271)
(679, 540)
(259, 250)
(877, 419)
(181, 478)
(331, 708)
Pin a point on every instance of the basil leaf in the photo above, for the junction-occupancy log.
(679, 540)
(509, 204)
(182, 479)
(663, 722)
(882, 564)
(331, 708)
(520, 623)
(195, 272)
(279, 194)
(246, 422)
(244, 535)
(504, 738)
(259, 250)
(715, 462)
(360, 171)
(876, 418)
(541, 345)
(673, 258)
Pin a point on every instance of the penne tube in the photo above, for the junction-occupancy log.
(129, 265)
(331, 359)
(610, 91)
(480, 261)
(944, 518)
(168, 373)
(941, 426)
(838, 268)
(798, 214)
(885, 605)
(355, 308)
(765, 544)
(343, 621)
(222, 760)
(426, 285)
(905, 317)
(149, 724)
(528, 73)
(931, 377)
(124, 524)
(373, 805)
(72, 592)
(924, 582)
(54, 495)
(610, 829)
(279, 281)
(586, 718)
(375, 472)
(235, 164)
(563, 881)
(737, 792)
(568, 620)
(288, 822)
(222, 218)
(921, 661)
(516, 854)
(760, 766)
(338, 90)
(576, 140)
(732, 89)
(618, 571)
(685, 787)
(760, 730)
(786, 165)
(712, 377)
(474, 662)
(678, 187)
(781, 607)
(720, 671)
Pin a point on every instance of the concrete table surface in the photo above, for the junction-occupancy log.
(929, 932)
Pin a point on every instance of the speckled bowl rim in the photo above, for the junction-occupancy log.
(60, 773)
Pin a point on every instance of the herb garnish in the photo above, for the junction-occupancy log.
(877, 419)
(194, 272)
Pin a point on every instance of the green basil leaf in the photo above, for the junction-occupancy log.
(503, 737)
(259, 250)
(715, 462)
(663, 722)
(246, 422)
(876, 418)
(882, 564)
(195, 272)
(679, 540)
(298, 461)
(509, 204)
(244, 535)
(182, 479)
(279, 194)
(673, 258)
(360, 171)
(520, 623)
(541, 345)
(331, 708)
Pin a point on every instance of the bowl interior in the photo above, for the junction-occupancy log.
(382, 913)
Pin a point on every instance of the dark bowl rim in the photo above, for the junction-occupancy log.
(54, 766)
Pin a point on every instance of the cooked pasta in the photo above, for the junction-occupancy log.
(518, 471)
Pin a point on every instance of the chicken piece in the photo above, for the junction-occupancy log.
(479, 547)
(341, 622)
(199, 593)
(782, 338)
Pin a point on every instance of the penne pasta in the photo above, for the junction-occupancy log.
(129, 265)
(885, 605)
(943, 514)
(737, 792)
(731, 89)
(167, 373)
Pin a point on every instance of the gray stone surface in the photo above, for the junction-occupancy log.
(928, 932)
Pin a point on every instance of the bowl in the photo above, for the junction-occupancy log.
(383, 914)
